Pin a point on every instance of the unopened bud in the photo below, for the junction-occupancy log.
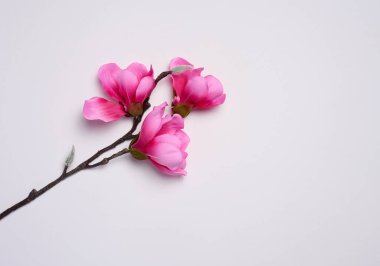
(70, 158)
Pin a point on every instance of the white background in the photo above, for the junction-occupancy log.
(286, 172)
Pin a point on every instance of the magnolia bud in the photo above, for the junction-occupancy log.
(70, 158)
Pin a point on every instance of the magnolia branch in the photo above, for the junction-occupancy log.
(84, 165)
(87, 164)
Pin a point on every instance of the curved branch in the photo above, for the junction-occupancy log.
(87, 163)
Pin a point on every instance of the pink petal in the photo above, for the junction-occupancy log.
(150, 73)
(215, 94)
(150, 126)
(128, 83)
(176, 100)
(194, 73)
(178, 61)
(218, 100)
(171, 123)
(98, 108)
(170, 138)
(183, 138)
(167, 154)
(179, 80)
(210, 104)
(183, 166)
(215, 87)
(144, 89)
(107, 76)
(139, 70)
(180, 171)
(195, 91)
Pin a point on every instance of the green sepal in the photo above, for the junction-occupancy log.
(137, 154)
(182, 109)
(135, 109)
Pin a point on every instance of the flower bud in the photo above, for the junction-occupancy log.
(70, 158)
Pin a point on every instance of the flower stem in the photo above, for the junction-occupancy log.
(162, 75)
(107, 159)
(84, 165)
(33, 194)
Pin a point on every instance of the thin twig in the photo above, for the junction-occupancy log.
(107, 159)
(84, 165)
(33, 194)
(162, 75)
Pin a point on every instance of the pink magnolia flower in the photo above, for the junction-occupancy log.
(127, 87)
(162, 141)
(193, 91)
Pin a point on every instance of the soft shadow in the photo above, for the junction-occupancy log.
(155, 173)
(90, 126)
(206, 114)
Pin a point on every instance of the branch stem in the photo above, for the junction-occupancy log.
(84, 165)
(87, 164)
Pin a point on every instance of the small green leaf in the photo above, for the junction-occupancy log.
(70, 157)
